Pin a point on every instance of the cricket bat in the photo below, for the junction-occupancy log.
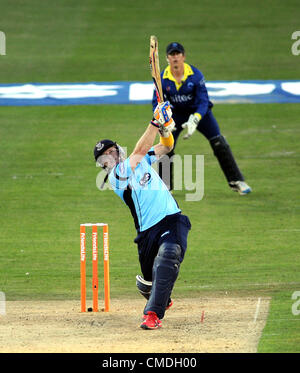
(155, 69)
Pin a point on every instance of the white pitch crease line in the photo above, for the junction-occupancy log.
(257, 309)
(91, 224)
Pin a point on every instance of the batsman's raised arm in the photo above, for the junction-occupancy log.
(143, 145)
(161, 124)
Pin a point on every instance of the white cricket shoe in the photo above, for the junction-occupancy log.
(241, 187)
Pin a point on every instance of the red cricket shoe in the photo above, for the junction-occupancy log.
(170, 304)
(151, 321)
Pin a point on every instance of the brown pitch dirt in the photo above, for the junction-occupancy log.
(230, 324)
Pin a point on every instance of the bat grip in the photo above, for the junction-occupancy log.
(157, 95)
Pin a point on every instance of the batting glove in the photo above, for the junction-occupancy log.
(191, 125)
(162, 118)
(165, 131)
(163, 113)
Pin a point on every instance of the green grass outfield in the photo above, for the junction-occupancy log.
(239, 245)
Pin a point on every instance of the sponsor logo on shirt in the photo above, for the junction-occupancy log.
(181, 98)
(145, 179)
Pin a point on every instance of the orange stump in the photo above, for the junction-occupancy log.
(106, 268)
(83, 268)
(94, 265)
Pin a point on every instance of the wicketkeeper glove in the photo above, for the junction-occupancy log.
(191, 125)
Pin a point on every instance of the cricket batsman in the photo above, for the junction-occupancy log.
(162, 229)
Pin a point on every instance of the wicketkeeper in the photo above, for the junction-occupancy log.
(184, 87)
(162, 229)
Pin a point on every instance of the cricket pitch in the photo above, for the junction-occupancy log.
(198, 325)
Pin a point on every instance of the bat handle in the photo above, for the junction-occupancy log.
(157, 95)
